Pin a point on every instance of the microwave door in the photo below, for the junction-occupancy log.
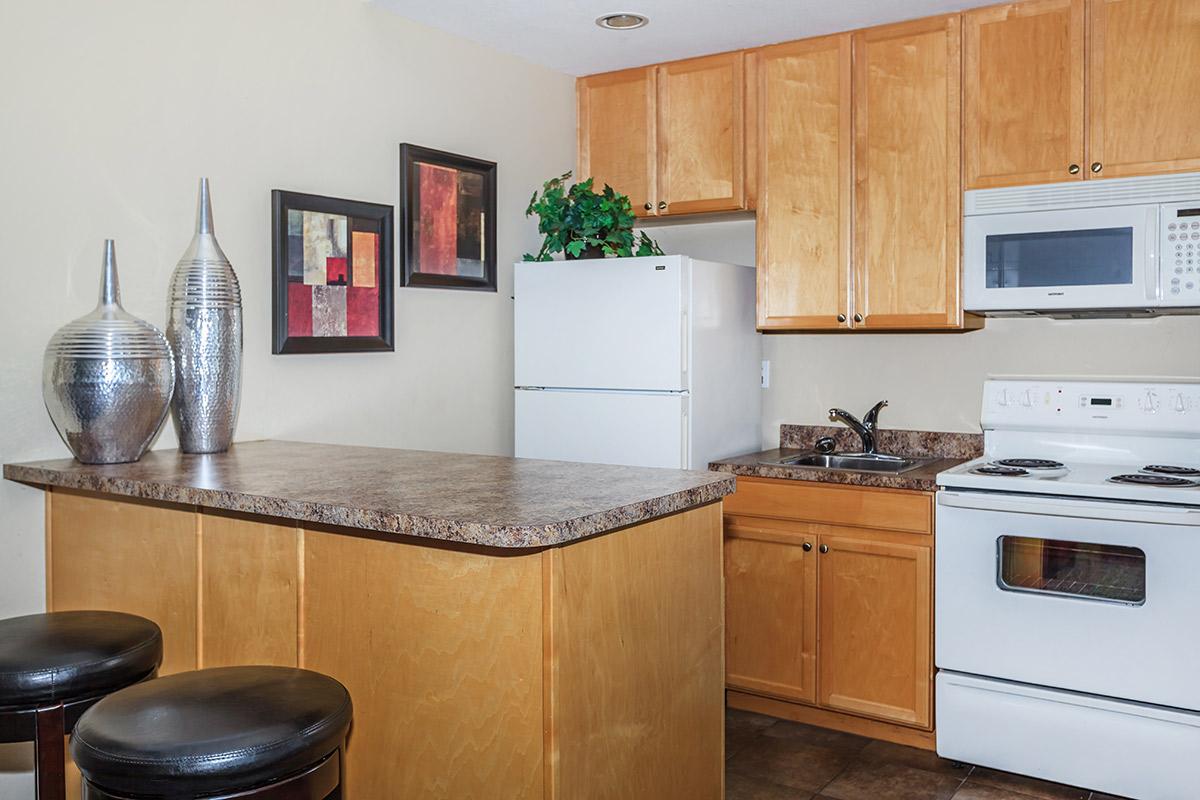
(1092, 258)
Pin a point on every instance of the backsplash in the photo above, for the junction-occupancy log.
(887, 440)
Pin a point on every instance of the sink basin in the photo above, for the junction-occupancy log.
(858, 462)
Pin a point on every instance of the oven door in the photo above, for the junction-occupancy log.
(1086, 595)
(1091, 258)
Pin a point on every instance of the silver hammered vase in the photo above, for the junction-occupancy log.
(204, 327)
(107, 378)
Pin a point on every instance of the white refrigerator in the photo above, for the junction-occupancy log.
(649, 361)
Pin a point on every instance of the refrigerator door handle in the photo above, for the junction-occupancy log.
(685, 461)
(685, 345)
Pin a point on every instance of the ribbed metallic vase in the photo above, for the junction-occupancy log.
(204, 327)
(107, 378)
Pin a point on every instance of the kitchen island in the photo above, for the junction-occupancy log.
(507, 628)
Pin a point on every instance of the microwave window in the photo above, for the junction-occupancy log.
(1098, 257)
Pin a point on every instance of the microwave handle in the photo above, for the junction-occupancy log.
(1153, 240)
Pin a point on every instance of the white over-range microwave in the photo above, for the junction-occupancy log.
(1113, 247)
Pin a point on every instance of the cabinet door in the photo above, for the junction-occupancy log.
(700, 135)
(874, 629)
(616, 129)
(804, 189)
(1144, 67)
(1023, 93)
(770, 612)
(908, 187)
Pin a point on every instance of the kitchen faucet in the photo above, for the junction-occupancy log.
(864, 428)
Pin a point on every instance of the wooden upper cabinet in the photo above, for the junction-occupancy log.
(771, 611)
(617, 134)
(804, 188)
(875, 629)
(1144, 66)
(700, 134)
(908, 182)
(1023, 93)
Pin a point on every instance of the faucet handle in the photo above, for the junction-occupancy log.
(871, 418)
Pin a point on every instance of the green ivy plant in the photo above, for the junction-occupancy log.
(577, 221)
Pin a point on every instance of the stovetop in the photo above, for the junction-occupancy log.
(1120, 440)
(1076, 479)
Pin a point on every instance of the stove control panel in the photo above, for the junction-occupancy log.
(1157, 408)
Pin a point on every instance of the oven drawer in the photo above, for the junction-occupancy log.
(1110, 746)
(1072, 594)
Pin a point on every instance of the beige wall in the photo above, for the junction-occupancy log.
(933, 381)
(111, 111)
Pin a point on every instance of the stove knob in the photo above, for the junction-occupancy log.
(1149, 402)
(1180, 403)
(1002, 398)
(1027, 399)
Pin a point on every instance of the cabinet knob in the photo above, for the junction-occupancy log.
(824, 548)
(858, 317)
(1097, 166)
(841, 317)
(649, 206)
(806, 546)
(662, 204)
(1073, 169)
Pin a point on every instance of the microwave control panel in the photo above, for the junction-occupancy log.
(1180, 253)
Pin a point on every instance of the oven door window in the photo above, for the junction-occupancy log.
(1104, 572)
(1098, 257)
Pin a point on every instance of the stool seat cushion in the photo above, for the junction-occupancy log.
(46, 659)
(211, 731)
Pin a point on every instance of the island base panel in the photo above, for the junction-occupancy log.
(583, 672)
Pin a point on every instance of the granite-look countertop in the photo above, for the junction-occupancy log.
(490, 501)
(949, 450)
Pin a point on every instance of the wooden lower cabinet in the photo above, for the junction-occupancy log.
(771, 611)
(838, 634)
(874, 629)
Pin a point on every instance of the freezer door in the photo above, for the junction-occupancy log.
(633, 428)
(602, 324)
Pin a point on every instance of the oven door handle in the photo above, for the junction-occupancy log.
(1059, 507)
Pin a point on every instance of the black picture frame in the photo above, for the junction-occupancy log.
(411, 155)
(281, 342)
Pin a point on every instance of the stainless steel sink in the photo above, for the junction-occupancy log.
(857, 462)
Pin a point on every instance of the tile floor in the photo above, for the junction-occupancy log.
(769, 759)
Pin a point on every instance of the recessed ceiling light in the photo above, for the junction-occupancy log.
(623, 21)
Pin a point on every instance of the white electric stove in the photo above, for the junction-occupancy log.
(1068, 587)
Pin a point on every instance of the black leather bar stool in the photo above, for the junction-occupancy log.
(267, 733)
(53, 667)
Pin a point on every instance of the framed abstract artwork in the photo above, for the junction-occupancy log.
(333, 288)
(447, 219)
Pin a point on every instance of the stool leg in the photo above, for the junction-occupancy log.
(50, 754)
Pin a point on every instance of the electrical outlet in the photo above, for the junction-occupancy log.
(766, 374)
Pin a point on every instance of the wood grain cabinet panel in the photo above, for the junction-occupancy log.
(908, 182)
(618, 143)
(634, 677)
(826, 503)
(249, 591)
(441, 651)
(875, 629)
(771, 612)
(804, 189)
(1144, 69)
(1023, 93)
(701, 148)
(127, 556)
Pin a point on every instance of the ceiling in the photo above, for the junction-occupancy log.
(561, 34)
